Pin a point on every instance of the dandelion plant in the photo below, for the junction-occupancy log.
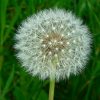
(53, 44)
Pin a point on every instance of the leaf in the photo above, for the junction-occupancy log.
(8, 83)
(43, 96)
(18, 94)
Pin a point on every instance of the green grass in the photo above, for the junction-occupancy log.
(16, 84)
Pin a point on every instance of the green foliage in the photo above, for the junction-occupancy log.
(16, 84)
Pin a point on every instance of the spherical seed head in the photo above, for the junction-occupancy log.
(50, 36)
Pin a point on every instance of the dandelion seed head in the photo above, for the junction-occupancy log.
(49, 35)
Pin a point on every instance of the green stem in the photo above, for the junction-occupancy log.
(51, 89)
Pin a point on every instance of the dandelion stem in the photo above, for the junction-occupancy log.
(51, 89)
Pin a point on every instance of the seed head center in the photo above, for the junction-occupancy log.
(53, 44)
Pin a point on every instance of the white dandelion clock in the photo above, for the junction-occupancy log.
(53, 44)
(53, 35)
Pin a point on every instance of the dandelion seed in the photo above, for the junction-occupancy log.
(50, 43)
(68, 33)
(44, 56)
(62, 50)
(57, 49)
(44, 45)
(55, 55)
(62, 35)
(69, 50)
(61, 26)
(61, 42)
(41, 40)
(67, 43)
(53, 28)
(47, 35)
(55, 41)
(49, 53)
(74, 41)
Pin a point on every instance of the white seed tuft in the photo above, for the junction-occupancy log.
(49, 53)
(56, 55)
(41, 40)
(53, 28)
(47, 35)
(57, 49)
(61, 42)
(44, 45)
(50, 43)
(44, 56)
(62, 35)
(62, 50)
(61, 26)
(74, 41)
(68, 33)
(67, 43)
(54, 41)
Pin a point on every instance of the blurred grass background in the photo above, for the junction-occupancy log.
(16, 84)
